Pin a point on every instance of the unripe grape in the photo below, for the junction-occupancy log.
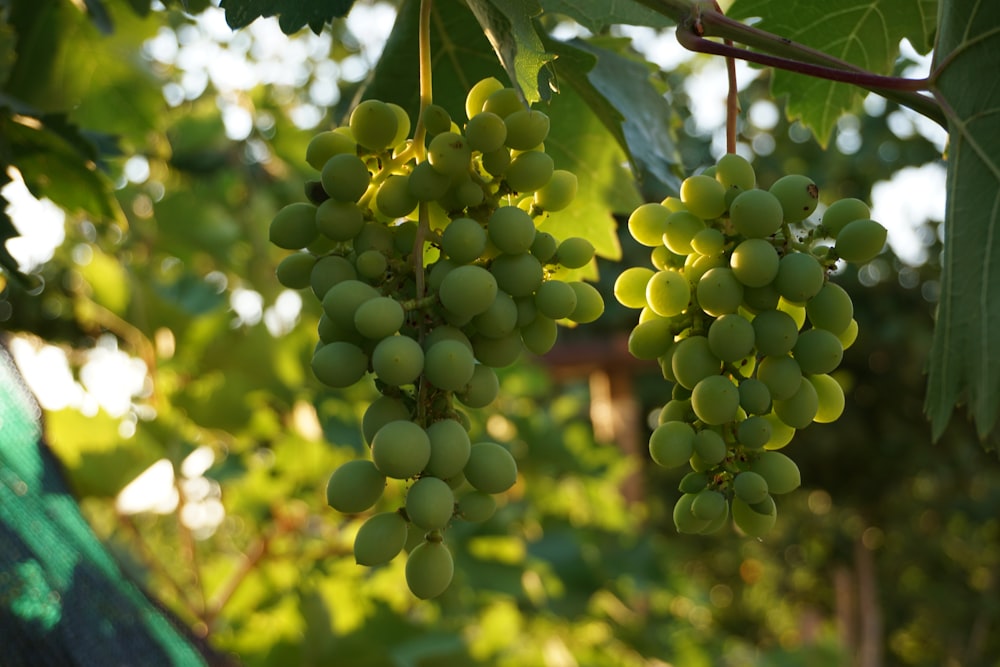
(708, 241)
(446, 332)
(544, 247)
(371, 265)
(831, 309)
(750, 487)
(719, 292)
(491, 468)
(755, 397)
(429, 570)
(731, 337)
(800, 277)
(830, 395)
(676, 410)
(754, 432)
(482, 389)
(692, 360)
(503, 102)
(294, 226)
(476, 506)
(681, 228)
(715, 400)
(402, 124)
(380, 538)
(760, 299)
(398, 360)
(511, 230)
(526, 128)
(798, 196)
(734, 172)
(339, 364)
(671, 444)
(500, 319)
(647, 223)
(558, 193)
(295, 271)
(650, 339)
(498, 352)
(817, 351)
(589, 303)
(756, 213)
(496, 162)
(529, 171)
(345, 177)
(668, 293)
(842, 212)
(755, 262)
(518, 275)
(449, 365)
(780, 472)
(468, 290)
(708, 505)
(555, 299)
(449, 154)
(486, 132)
(325, 145)
(380, 412)
(540, 335)
(775, 333)
(430, 503)
(339, 220)
(374, 236)
(575, 252)
(703, 196)
(463, 240)
(796, 311)
(684, 520)
(693, 482)
(428, 184)
(849, 335)
(860, 241)
(781, 433)
(710, 447)
(477, 95)
(799, 409)
(436, 119)
(401, 449)
(394, 199)
(379, 317)
(751, 522)
(354, 486)
(374, 124)
(342, 301)
(782, 376)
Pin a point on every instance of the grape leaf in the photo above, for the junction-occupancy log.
(596, 15)
(965, 356)
(293, 15)
(863, 32)
(508, 26)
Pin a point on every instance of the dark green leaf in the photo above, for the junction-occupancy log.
(965, 358)
(508, 24)
(596, 15)
(293, 15)
(99, 15)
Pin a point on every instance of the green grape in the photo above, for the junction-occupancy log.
(708, 241)
(463, 240)
(589, 303)
(339, 220)
(486, 132)
(755, 397)
(647, 224)
(430, 503)
(715, 400)
(684, 520)
(830, 397)
(650, 339)
(426, 183)
(558, 193)
(449, 365)
(731, 337)
(751, 522)
(750, 487)
(469, 194)
(398, 360)
(800, 277)
(450, 448)
(529, 171)
(540, 335)
(754, 262)
(668, 293)
(817, 351)
(775, 333)
(402, 124)
(295, 271)
(677, 410)
(429, 570)
(759, 299)
(445, 332)
(401, 449)
(511, 230)
(781, 433)
(342, 301)
(719, 292)
(693, 482)
(374, 236)
(575, 252)
(478, 94)
(354, 486)
(496, 162)
(544, 247)
(325, 145)
(555, 299)
(518, 275)
(503, 102)
(374, 125)
(491, 468)
(756, 214)
(380, 538)
(781, 473)
(498, 352)
(798, 196)
(754, 432)
(499, 319)
(681, 228)
(339, 364)
(379, 317)
(482, 389)
(831, 309)
(476, 506)
(345, 177)
(710, 447)
(799, 409)
(371, 265)
(671, 444)
(436, 119)
(849, 335)
(692, 361)
(860, 241)
(449, 154)
(294, 226)
(842, 212)
(704, 196)
(468, 290)
(781, 374)
(394, 199)
(380, 412)
(708, 505)
(796, 311)
(735, 173)
(526, 128)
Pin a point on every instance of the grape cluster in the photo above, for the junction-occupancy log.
(742, 317)
(432, 272)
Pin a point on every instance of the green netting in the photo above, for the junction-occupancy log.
(64, 602)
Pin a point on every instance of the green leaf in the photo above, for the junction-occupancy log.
(863, 32)
(293, 15)
(596, 15)
(509, 27)
(965, 357)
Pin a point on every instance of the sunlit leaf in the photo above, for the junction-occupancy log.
(596, 15)
(508, 25)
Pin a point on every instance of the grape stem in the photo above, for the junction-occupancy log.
(732, 96)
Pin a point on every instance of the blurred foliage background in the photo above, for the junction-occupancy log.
(167, 142)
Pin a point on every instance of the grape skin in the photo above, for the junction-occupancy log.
(429, 570)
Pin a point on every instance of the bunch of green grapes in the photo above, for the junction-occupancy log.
(431, 273)
(740, 313)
